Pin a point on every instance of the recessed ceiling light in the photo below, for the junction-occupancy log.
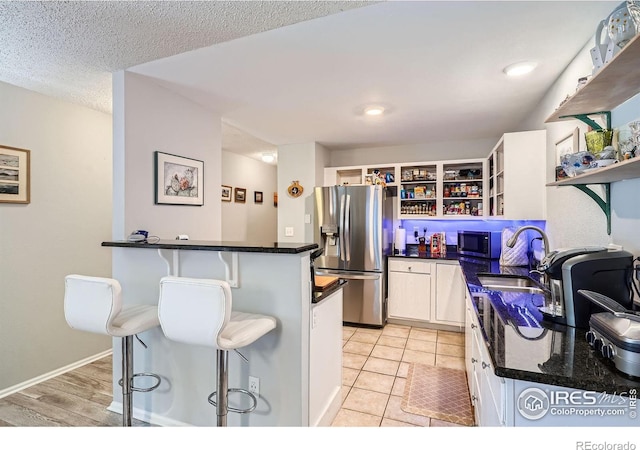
(521, 68)
(374, 110)
(268, 157)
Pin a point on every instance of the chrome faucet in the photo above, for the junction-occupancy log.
(512, 241)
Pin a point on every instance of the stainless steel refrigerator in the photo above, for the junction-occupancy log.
(353, 225)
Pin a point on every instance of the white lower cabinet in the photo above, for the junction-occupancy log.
(488, 392)
(448, 305)
(409, 289)
(325, 360)
(425, 292)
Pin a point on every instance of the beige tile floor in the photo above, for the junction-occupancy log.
(375, 364)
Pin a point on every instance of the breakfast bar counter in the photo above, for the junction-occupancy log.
(266, 278)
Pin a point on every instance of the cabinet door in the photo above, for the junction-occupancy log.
(525, 175)
(450, 290)
(410, 295)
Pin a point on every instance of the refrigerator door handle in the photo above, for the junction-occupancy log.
(350, 275)
(341, 227)
(347, 231)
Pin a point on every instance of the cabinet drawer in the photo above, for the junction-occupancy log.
(404, 265)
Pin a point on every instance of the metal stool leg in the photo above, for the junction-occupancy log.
(222, 387)
(221, 394)
(127, 379)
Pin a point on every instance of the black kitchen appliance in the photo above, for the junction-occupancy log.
(481, 244)
(592, 268)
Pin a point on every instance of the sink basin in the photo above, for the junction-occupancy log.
(516, 283)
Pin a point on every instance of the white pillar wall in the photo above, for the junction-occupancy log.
(303, 163)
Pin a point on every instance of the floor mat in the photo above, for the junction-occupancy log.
(439, 393)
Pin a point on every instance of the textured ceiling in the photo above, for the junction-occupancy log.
(301, 71)
(436, 66)
(69, 49)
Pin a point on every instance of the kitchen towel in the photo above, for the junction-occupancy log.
(400, 240)
(516, 255)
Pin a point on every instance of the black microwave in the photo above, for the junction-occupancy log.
(482, 244)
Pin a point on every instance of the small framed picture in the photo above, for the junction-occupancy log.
(240, 195)
(14, 175)
(226, 193)
(567, 145)
(257, 197)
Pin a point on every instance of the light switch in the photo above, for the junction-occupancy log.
(288, 231)
(307, 218)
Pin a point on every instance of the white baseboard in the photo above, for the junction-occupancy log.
(331, 411)
(146, 416)
(47, 376)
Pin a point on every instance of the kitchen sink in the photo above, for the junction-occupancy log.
(516, 283)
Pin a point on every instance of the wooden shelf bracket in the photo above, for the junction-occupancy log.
(604, 204)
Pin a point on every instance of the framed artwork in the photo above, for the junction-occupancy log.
(15, 175)
(257, 197)
(240, 195)
(226, 193)
(567, 145)
(178, 180)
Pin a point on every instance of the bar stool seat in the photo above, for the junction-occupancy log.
(199, 312)
(94, 304)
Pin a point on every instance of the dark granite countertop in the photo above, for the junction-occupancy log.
(412, 253)
(318, 295)
(525, 346)
(224, 246)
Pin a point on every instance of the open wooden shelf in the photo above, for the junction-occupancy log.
(616, 82)
(624, 170)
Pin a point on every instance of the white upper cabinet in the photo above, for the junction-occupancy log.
(517, 176)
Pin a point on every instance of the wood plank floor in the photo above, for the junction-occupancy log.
(78, 398)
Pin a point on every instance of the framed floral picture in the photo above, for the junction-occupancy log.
(178, 180)
(14, 175)
(240, 195)
(226, 193)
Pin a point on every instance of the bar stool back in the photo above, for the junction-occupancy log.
(199, 312)
(94, 304)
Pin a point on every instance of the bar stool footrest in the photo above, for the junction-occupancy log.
(236, 410)
(143, 374)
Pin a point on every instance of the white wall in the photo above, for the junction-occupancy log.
(574, 219)
(249, 221)
(58, 233)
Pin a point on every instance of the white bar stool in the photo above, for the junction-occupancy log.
(94, 304)
(198, 311)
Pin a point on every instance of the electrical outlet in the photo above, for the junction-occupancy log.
(254, 386)
(288, 231)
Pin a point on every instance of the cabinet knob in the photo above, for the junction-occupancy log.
(485, 365)
(409, 269)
